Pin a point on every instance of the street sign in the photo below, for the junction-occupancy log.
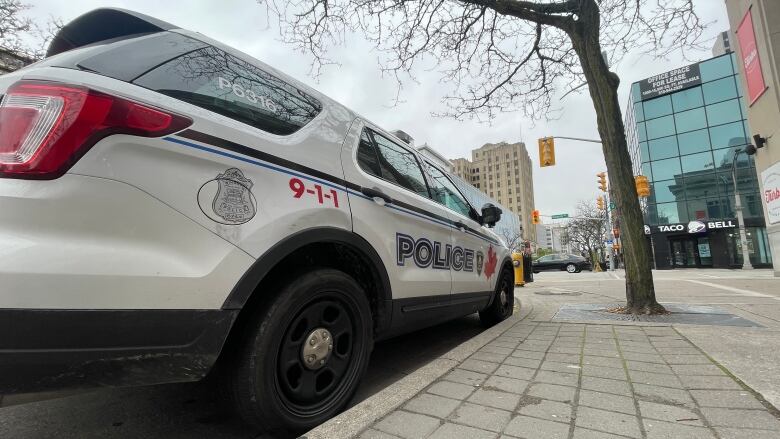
(608, 241)
(612, 205)
(560, 215)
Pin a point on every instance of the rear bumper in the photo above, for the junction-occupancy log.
(65, 349)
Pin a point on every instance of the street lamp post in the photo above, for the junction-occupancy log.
(746, 265)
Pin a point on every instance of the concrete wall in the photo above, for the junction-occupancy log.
(764, 114)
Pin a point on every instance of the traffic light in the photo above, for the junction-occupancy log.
(642, 186)
(602, 181)
(546, 151)
(535, 217)
(600, 203)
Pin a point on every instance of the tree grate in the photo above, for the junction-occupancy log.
(679, 314)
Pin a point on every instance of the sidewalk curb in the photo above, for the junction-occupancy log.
(352, 422)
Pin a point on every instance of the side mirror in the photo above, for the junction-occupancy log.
(491, 214)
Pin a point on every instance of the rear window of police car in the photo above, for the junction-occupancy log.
(217, 81)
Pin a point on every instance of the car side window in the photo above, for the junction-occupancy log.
(545, 258)
(393, 163)
(225, 84)
(444, 192)
(367, 157)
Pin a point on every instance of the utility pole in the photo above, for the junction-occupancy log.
(746, 265)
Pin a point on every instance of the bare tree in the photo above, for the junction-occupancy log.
(586, 230)
(513, 238)
(20, 35)
(514, 55)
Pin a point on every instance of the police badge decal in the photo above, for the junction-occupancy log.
(232, 202)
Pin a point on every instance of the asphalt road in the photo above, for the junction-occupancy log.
(191, 410)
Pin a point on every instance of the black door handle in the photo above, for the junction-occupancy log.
(375, 193)
(460, 225)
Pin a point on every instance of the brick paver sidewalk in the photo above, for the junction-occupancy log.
(558, 380)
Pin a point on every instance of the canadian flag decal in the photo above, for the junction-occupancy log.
(490, 264)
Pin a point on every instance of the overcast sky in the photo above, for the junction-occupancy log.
(359, 85)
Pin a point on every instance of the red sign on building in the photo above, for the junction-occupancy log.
(750, 58)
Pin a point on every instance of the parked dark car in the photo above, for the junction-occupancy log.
(561, 262)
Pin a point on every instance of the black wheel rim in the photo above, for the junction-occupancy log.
(507, 297)
(307, 391)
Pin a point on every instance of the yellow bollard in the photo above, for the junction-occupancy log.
(517, 261)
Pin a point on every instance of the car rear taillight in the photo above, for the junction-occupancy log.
(45, 126)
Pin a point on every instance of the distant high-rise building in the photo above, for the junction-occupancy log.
(503, 172)
(722, 44)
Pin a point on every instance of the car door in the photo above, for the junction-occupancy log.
(392, 210)
(544, 263)
(475, 253)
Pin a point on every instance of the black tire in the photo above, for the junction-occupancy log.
(571, 268)
(269, 381)
(503, 303)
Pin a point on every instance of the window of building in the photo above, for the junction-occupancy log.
(724, 157)
(498, 184)
(646, 170)
(507, 156)
(720, 90)
(660, 106)
(702, 185)
(732, 134)
(639, 112)
(666, 169)
(517, 180)
(665, 191)
(715, 68)
(690, 120)
(663, 148)
(694, 141)
(687, 99)
(641, 134)
(660, 127)
(697, 162)
(643, 151)
(724, 112)
(668, 213)
(499, 193)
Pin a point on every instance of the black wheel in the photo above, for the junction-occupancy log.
(303, 354)
(503, 303)
(571, 268)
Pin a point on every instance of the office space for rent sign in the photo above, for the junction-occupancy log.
(670, 82)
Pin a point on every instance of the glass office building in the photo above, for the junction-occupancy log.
(683, 128)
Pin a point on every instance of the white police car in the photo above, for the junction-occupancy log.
(170, 206)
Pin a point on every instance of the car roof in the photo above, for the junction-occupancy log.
(103, 24)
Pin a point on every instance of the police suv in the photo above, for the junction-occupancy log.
(171, 207)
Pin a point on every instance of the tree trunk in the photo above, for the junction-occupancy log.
(602, 85)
